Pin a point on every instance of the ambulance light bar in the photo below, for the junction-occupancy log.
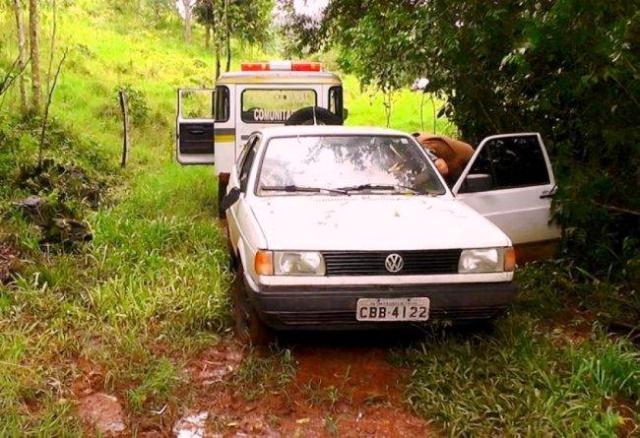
(281, 66)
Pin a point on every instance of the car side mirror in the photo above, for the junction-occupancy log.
(477, 182)
(230, 198)
(345, 114)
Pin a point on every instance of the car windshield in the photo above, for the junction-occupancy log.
(345, 165)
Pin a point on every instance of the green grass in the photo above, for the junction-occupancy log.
(520, 382)
(150, 290)
(258, 375)
(545, 370)
(366, 108)
(143, 297)
(157, 383)
(318, 394)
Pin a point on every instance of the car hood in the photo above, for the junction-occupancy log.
(369, 223)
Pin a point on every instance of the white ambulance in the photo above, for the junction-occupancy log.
(213, 125)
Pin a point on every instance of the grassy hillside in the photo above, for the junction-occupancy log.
(125, 306)
(127, 311)
(149, 290)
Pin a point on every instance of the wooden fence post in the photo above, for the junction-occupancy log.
(124, 106)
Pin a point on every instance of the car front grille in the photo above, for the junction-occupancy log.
(442, 261)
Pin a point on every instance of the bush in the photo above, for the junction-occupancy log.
(51, 196)
(566, 68)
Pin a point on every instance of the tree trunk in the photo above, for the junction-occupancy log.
(216, 36)
(227, 37)
(228, 67)
(187, 20)
(52, 49)
(22, 53)
(217, 44)
(34, 34)
(228, 40)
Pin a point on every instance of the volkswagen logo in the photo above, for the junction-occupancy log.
(394, 263)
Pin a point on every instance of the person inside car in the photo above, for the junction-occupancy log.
(451, 155)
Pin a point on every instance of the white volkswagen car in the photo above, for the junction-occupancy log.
(333, 227)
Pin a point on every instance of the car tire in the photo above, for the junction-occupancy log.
(222, 190)
(233, 259)
(248, 325)
(305, 116)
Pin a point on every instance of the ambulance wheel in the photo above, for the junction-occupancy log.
(305, 116)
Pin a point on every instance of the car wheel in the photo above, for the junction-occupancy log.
(233, 259)
(249, 327)
(222, 190)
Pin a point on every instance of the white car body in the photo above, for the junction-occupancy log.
(385, 223)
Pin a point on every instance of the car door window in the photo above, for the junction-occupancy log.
(335, 100)
(245, 167)
(222, 103)
(243, 153)
(195, 126)
(509, 162)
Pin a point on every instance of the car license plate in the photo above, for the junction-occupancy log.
(392, 309)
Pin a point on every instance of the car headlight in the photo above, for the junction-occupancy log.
(298, 263)
(289, 263)
(486, 260)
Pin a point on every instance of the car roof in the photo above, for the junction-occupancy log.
(279, 77)
(302, 130)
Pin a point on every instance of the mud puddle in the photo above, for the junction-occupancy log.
(338, 385)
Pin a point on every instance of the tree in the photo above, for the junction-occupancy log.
(204, 12)
(160, 8)
(22, 52)
(248, 20)
(211, 13)
(156, 10)
(187, 6)
(34, 34)
(227, 33)
(251, 21)
(566, 68)
(207, 36)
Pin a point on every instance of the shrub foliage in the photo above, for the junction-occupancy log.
(567, 68)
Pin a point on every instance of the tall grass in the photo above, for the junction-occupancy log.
(147, 294)
(149, 291)
(523, 380)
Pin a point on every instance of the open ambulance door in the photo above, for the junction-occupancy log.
(194, 126)
(509, 180)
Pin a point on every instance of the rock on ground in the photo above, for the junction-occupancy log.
(104, 412)
(191, 426)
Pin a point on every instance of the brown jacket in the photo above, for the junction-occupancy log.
(455, 153)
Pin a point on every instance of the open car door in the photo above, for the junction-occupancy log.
(194, 126)
(509, 180)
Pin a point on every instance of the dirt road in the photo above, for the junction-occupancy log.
(329, 386)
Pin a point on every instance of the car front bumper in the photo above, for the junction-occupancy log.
(334, 308)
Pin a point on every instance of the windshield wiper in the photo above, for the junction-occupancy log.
(394, 187)
(294, 188)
